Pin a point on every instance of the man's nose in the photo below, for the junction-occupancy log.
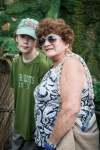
(26, 39)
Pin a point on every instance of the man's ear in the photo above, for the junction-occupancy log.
(16, 38)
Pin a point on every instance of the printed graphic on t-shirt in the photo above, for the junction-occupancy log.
(25, 81)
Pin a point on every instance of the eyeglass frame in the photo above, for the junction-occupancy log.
(46, 39)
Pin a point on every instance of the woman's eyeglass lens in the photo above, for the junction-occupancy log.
(51, 39)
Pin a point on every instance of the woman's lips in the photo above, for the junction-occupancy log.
(49, 49)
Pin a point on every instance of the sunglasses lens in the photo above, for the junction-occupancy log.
(41, 41)
(52, 39)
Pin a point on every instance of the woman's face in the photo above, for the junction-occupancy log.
(53, 45)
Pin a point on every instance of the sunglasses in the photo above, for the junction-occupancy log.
(51, 39)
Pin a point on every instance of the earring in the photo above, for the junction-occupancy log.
(67, 51)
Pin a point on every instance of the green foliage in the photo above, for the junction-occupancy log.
(21, 7)
(2, 39)
(73, 6)
(91, 1)
(4, 18)
(9, 46)
(45, 6)
(64, 14)
(96, 87)
(54, 9)
(84, 18)
(89, 16)
(93, 65)
(17, 8)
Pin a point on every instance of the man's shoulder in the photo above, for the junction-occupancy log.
(16, 60)
(42, 56)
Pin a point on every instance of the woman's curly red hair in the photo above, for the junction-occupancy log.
(59, 26)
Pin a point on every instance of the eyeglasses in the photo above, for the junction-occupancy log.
(51, 39)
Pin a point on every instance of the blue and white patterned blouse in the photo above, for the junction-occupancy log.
(47, 105)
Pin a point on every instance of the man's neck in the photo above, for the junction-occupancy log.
(30, 56)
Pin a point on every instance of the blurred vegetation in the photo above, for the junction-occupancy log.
(96, 87)
(9, 46)
(84, 18)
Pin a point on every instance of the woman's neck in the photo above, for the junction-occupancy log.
(59, 59)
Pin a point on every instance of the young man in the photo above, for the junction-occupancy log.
(26, 73)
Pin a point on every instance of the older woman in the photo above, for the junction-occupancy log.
(64, 98)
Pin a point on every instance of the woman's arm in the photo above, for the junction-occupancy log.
(72, 82)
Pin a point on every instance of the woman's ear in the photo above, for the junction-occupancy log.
(68, 49)
(67, 45)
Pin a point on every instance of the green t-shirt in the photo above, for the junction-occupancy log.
(24, 77)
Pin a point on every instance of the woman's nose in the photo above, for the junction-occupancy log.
(46, 42)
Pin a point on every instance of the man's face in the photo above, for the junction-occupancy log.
(25, 43)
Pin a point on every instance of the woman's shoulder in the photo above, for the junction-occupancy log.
(73, 67)
(75, 57)
(73, 61)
